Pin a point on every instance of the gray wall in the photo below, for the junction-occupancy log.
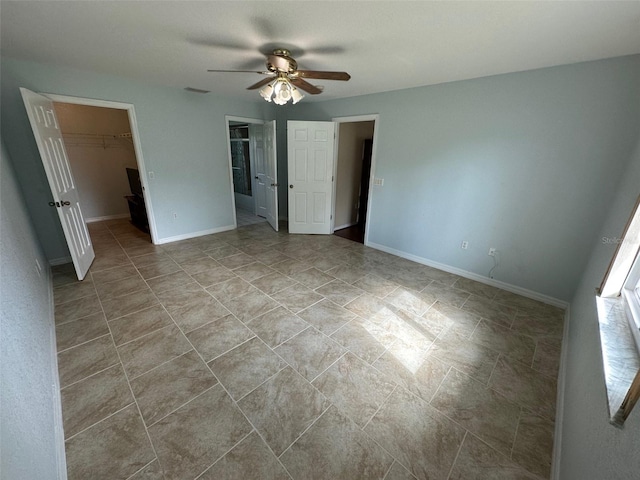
(539, 164)
(591, 447)
(183, 138)
(524, 162)
(28, 373)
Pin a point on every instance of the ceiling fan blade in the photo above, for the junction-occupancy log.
(324, 75)
(306, 86)
(259, 84)
(220, 43)
(241, 71)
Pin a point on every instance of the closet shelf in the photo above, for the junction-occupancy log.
(102, 140)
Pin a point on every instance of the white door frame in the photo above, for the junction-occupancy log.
(227, 121)
(352, 119)
(135, 137)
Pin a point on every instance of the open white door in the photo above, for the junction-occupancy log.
(271, 164)
(310, 162)
(44, 124)
(256, 134)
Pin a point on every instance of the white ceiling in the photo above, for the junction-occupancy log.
(384, 45)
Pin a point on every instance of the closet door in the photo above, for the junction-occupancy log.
(46, 131)
(256, 134)
(310, 160)
(271, 162)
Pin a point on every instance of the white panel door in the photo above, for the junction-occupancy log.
(256, 133)
(310, 162)
(44, 124)
(271, 166)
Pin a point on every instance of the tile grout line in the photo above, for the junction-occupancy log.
(242, 412)
(331, 365)
(162, 363)
(495, 365)
(135, 400)
(235, 403)
(89, 376)
(145, 466)
(464, 438)
(99, 421)
(371, 268)
(199, 475)
(367, 435)
(307, 429)
(535, 350)
(83, 343)
(380, 407)
(435, 394)
(515, 435)
(145, 335)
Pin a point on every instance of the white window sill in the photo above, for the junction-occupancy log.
(619, 353)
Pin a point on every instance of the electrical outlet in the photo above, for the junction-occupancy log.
(464, 245)
(152, 175)
(175, 215)
(492, 252)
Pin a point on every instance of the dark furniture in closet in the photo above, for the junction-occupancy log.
(137, 207)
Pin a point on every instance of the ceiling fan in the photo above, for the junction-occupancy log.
(283, 77)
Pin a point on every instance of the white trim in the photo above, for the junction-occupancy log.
(227, 119)
(375, 117)
(137, 146)
(58, 424)
(346, 225)
(186, 236)
(560, 387)
(632, 299)
(474, 276)
(60, 261)
(106, 217)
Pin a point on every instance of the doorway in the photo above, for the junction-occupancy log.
(245, 146)
(252, 170)
(102, 142)
(355, 142)
(102, 158)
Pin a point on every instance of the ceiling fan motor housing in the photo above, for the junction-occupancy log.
(281, 62)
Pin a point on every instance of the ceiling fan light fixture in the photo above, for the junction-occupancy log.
(296, 96)
(284, 81)
(282, 91)
(267, 91)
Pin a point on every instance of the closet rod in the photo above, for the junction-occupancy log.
(97, 135)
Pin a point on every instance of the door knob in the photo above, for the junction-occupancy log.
(290, 186)
(257, 177)
(63, 203)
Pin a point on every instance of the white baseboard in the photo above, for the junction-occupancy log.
(201, 233)
(560, 387)
(58, 427)
(106, 217)
(60, 261)
(346, 225)
(473, 276)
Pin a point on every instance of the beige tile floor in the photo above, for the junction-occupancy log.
(245, 218)
(252, 354)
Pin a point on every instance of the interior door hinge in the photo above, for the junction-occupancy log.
(332, 178)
